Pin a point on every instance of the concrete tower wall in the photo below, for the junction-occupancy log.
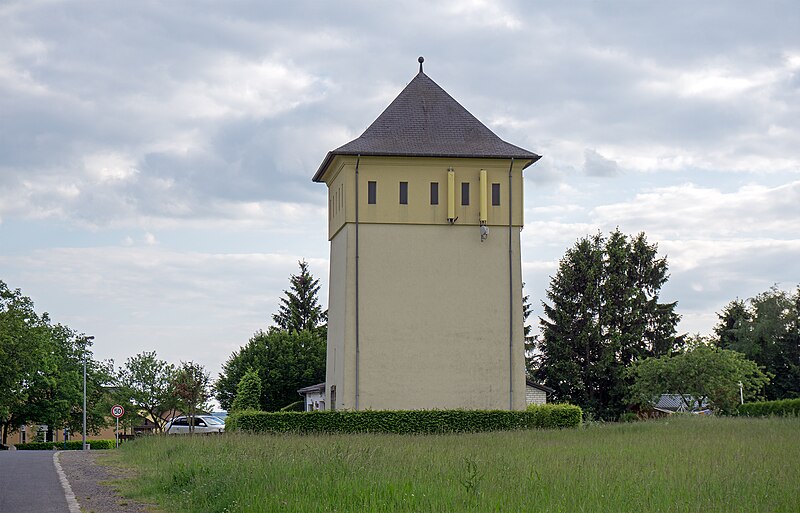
(434, 301)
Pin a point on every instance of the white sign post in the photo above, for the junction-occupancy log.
(117, 411)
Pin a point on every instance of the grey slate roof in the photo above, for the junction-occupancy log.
(319, 387)
(541, 387)
(673, 402)
(425, 121)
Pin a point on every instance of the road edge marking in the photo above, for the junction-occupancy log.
(72, 502)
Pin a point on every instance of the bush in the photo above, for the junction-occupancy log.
(248, 392)
(73, 445)
(628, 417)
(546, 416)
(782, 408)
(295, 406)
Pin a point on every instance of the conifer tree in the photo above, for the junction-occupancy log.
(602, 314)
(300, 310)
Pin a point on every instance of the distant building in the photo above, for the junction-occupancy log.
(674, 403)
(536, 393)
(313, 397)
(425, 210)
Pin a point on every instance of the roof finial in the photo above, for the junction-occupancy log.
(420, 60)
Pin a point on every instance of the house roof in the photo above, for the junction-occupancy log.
(543, 388)
(425, 121)
(673, 402)
(319, 387)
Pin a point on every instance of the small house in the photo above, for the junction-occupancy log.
(674, 403)
(313, 397)
(536, 393)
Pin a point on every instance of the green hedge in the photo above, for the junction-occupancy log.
(405, 422)
(73, 445)
(782, 408)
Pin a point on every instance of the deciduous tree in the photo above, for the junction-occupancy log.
(23, 338)
(285, 361)
(148, 383)
(248, 392)
(699, 373)
(766, 329)
(193, 389)
(41, 370)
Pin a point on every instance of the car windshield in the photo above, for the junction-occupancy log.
(213, 420)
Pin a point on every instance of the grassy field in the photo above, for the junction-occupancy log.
(676, 465)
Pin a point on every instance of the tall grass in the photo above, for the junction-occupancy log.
(677, 465)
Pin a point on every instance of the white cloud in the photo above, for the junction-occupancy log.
(595, 164)
(555, 234)
(231, 86)
(681, 210)
(483, 13)
(718, 84)
(108, 167)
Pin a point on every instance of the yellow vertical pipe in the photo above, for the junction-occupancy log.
(451, 194)
(484, 198)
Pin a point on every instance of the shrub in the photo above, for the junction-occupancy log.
(295, 406)
(628, 417)
(782, 408)
(248, 392)
(546, 416)
(73, 445)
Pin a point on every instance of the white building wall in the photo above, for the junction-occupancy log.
(534, 395)
(315, 401)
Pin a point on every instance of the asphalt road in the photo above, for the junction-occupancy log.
(29, 483)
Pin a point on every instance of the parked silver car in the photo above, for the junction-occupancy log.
(203, 424)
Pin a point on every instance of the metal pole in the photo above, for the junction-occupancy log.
(116, 434)
(741, 392)
(84, 397)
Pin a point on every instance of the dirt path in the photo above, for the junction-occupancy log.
(93, 486)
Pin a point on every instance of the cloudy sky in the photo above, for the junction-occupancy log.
(156, 157)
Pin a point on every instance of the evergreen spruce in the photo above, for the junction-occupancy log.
(300, 310)
(602, 314)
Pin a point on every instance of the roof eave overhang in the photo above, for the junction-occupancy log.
(543, 388)
(331, 154)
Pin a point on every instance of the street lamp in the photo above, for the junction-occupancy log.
(85, 342)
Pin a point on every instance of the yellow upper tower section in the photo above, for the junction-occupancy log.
(424, 191)
(425, 160)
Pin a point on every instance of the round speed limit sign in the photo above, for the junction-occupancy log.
(117, 411)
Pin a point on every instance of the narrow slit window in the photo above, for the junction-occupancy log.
(434, 193)
(495, 194)
(404, 193)
(372, 192)
(465, 193)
